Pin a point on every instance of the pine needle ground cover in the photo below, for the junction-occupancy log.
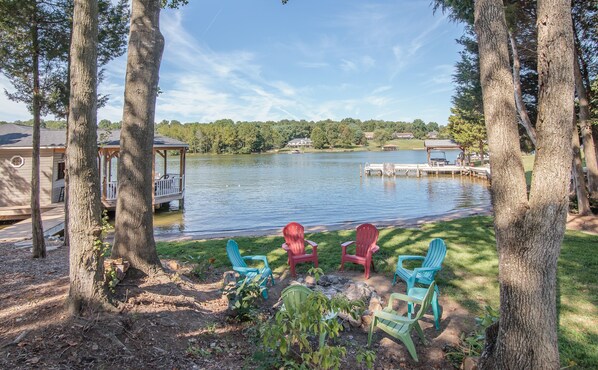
(469, 274)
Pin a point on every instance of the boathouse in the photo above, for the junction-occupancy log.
(15, 169)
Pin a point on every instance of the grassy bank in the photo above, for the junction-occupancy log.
(469, 275)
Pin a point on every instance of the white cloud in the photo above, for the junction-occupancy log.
(348, 66)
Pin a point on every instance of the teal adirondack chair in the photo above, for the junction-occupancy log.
(261, 275)
(400, 327)
(432, 263)
(294, 296)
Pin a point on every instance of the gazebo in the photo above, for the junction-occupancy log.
(431, 145)
(169, 185)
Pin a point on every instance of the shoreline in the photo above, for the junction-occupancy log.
(415, 222)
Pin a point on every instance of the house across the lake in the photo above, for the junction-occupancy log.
(403, 135)
(15, 169)
(300, 143)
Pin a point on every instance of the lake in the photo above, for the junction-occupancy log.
(236, 194)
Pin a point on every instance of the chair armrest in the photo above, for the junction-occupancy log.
(373, 250)
(344, 246)
(257, 258)
(401, 297)
(418, 270)
(287, 249)
(314, 245)
(391, 316)
(406, 258)
(244, 270)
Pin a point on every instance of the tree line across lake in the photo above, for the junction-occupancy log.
(227, 136)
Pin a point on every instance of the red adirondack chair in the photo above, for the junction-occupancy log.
(365, 247)
(295, 246)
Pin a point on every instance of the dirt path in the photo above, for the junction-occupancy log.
(165, 324)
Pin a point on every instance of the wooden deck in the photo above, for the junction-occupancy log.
(52, 220)
(418, 170)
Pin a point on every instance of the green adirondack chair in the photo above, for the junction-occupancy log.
(261, 275)
(294, 296)
(400, 327)
(431, 264)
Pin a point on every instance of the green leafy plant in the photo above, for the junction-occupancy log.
(243, 298)
(366, 357)
(471, 345)
(290, 334)
(316, 272)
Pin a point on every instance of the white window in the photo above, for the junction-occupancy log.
(17, 161)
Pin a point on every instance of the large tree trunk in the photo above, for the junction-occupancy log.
(529, 232)
(37, 229)
(86, 260)
(587, 136)
(134, 234)
(579, 180)
(521, 109)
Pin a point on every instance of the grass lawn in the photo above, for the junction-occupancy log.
(469, 274)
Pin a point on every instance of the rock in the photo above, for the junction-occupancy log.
(310, 281)
(470, 363)
(375, 303)
(346, 317)
(173, 265)
(366, 321)
(230, 277)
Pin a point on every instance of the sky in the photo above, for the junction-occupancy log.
(258, 60)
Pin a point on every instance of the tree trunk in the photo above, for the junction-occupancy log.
(581, 191)
(587, 136)
(521, 109)
(86, 259)
(529, 232)
(134, 231)
(37, 229)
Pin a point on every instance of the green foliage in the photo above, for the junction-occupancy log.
(225, 136)
(382, 136)
(289, 333)
(35, 27)
(243, 298)
(471, 345)
(201, 268)
(318, 138)
(366, 357)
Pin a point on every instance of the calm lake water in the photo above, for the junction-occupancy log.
(246, 193)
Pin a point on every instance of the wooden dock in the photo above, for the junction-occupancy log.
(52, 220)
(418, 170)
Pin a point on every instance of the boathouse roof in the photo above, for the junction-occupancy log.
(20, 136)
(441, 144)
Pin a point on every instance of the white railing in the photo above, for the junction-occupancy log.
(165, 186)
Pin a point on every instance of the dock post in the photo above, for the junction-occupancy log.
(417, 173)
(360, 173)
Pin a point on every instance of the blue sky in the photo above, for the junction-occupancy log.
(309, 59)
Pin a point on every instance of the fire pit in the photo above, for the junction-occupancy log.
(331, 285)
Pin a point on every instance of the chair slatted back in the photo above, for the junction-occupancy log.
(426, 301)
(435, 256)
(366, 238)
(294, 296)
(232, 250)
(294, 237)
